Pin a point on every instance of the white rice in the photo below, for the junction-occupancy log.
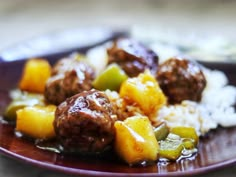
(97, 57)
(219, 98)
(216, 107)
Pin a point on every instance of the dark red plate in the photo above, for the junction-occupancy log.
(216, 150)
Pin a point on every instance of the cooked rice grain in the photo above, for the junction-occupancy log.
(216, 107)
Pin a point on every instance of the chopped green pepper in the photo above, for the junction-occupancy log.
(171, 149)
(21, 100)
(188, 143)
(186, 132)
(111, 78)
(161, 132)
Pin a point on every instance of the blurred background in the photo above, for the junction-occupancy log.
(184, 22)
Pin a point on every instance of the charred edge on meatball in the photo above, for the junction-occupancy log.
(132, 56)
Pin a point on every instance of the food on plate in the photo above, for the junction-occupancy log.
(180, 142)
(186, 133)
(123, 109)
(33, 79)
(133, 57)
(135, 140)
(161, 131)
(21, 100)
(69, 76)
(181, 79)
(85, 122)
(171, 148)
(132, 106)
(144, 91)
(36, 121)
(111, 78)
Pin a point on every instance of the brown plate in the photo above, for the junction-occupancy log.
(216, 150)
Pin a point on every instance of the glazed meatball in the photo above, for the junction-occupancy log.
(85, 123)
(69, 77)
(181, 79)
(132, 56)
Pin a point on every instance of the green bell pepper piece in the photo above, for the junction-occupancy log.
(21, 100)
(111, 78)
(186, 132)
(171, 149)
(161, 132)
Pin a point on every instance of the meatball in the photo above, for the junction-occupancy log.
(85, 122)
(132, 56)
(69, 77)
(181, 79)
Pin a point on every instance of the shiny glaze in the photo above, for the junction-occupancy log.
(132, 56)
(181, 79)
(216, 149)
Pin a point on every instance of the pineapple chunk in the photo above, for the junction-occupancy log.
(143, 91)
(135, 140)
(35, 74)
(21, 100)
(36, 121)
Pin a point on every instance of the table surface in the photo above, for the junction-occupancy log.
(23, 19)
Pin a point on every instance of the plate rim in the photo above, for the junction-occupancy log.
(83, 172)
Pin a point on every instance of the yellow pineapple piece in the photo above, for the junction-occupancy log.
(135, 140)
(144, 91)
(36, 121)
(35, 74)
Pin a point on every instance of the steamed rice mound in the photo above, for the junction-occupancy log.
(216, 106)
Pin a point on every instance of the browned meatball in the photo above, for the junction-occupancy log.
(85, 122)
(132, 56)
(181, 79)
(69, 77)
